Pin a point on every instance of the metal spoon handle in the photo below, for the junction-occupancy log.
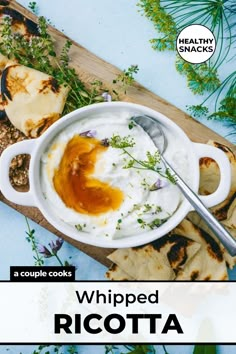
(224, 236)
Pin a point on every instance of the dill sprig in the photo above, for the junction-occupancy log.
(169, 18)
(201, 78)
(151, 163)
(225, 98)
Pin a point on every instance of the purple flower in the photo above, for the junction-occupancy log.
(106, 96)
(105, 142)
(89, 134)
(159, 184)
(44, 251)
(55, 246)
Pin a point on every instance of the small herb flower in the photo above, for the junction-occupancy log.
(118, 142)
(44, 251)
(106, 96)
(159, 184)
(56, 246)
(105, 142)
(89, 133)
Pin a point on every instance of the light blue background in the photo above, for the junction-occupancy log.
(115, 31)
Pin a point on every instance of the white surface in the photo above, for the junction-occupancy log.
(193, 305)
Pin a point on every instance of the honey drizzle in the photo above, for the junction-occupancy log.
(74, 183)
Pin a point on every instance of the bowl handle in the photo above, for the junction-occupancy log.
(23, 198)
(222, 160)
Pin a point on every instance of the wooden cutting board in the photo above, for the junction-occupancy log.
(90, 67)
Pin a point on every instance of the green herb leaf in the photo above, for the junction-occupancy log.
(118, 142)
(205, 349)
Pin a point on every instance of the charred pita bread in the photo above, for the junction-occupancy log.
(200, 223)
(35, 100)
(4, 61)
(179, 250)
(208, 263)
(160, 260)
(19, 23)
(2, 109)
(143, 263)
(230, 221)
(116, 273)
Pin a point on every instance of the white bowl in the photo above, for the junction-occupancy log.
(36, 148)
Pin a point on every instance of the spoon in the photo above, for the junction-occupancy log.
(154, 130)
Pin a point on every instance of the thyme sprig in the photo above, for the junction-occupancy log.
(56, 349)
(33, 6)
(39, 52)
(121, 349)
(131, 349)
(38, 259)
(126, 78)
(153, 224)
(40, 251)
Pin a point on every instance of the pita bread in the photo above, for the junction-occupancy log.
(179, 250)
(34, 99)
(2, 108)
(115, 273)
(143, 263)
(19, 23)
(208, 263)
(198, 222)
(160, 260)
(4, 61)
(230, 221)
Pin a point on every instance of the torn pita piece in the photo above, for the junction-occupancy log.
(34, 100)
(160, 260)
(19, 23)
(143, 263)
(208, 263)
(116, 273)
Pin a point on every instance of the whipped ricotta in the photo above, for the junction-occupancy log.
(141, 209)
